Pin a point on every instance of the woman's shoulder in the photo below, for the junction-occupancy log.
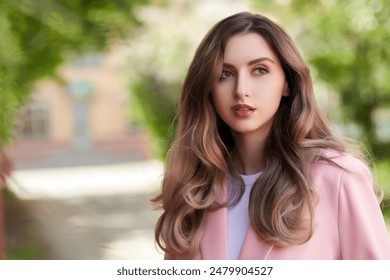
(341, 173)
(335, 162)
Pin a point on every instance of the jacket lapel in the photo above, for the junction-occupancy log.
(213, 245)
(253, 248)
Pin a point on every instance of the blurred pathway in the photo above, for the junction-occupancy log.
(93, 212)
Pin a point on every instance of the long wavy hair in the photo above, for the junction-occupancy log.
(282, 200)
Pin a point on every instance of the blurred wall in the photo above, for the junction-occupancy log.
(86, 107)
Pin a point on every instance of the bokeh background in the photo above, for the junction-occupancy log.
(88, 96)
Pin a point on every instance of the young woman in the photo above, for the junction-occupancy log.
(255, 171)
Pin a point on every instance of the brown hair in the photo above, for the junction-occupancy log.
(282, 201)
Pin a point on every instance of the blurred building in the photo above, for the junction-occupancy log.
(86, 109)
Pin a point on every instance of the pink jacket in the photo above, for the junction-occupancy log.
(349, 223)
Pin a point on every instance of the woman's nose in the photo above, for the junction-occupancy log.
(243, 86)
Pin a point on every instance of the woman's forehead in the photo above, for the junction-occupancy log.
(246, 47)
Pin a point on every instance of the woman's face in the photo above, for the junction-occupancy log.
(251, 85)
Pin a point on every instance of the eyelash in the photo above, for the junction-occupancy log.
(262, 71)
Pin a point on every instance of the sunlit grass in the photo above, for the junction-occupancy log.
(27, 251)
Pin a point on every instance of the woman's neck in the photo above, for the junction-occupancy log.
(249, 153)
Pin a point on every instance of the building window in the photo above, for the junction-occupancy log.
(34, 122)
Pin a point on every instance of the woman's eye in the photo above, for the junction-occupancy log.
(226, 74)
(260, 71)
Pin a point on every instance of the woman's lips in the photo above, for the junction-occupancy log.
(243, 110)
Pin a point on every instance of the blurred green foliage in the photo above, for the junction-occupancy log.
(160, 55)
(154, 106)
(382, 175)
(37, 35)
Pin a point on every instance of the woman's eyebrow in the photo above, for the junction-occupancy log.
(257, 60)
(250, 63)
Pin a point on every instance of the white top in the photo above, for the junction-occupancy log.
(238, 217)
